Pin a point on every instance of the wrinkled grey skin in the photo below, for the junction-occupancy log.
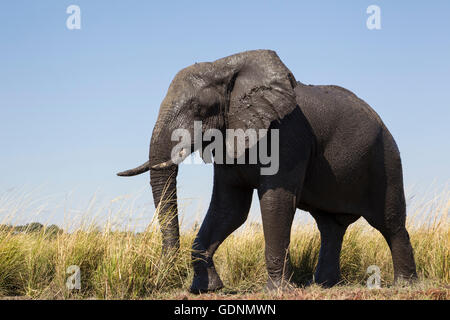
(337, 160)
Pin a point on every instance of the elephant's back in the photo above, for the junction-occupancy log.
(347, 130)
(337, 115)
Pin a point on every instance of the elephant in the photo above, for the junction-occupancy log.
(337, 160)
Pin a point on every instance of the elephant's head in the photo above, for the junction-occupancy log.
(248, 90)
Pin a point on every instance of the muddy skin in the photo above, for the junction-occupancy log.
(337, 160)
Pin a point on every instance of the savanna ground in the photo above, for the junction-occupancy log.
(128, 265)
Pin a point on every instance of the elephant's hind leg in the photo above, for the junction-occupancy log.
(402, 255)
(391, 224)
(332, 229)
(228, 210)
(389, 217)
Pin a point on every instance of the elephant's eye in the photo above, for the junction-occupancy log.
(197, 108)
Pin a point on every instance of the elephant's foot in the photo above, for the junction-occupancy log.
(206, 281)
(280, 273)
(279, 284)
(328, 279)
(405, 281)
(206, 278)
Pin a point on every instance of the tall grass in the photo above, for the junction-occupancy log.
(129, 265)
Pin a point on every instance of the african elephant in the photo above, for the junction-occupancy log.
(337, 160)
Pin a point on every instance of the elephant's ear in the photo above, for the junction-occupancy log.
(262, 92)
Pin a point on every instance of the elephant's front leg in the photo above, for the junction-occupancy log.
(228, 210)
(277, 209)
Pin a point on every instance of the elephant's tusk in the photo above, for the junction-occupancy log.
(182, 154)
(133, 172)
(163, 165)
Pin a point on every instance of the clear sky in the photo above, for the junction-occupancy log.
(76, 106)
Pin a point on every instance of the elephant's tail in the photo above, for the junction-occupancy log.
(134, 172)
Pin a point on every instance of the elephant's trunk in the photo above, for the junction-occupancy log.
(165, 198)
(163, 183)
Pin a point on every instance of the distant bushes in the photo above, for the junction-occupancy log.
(34, 227)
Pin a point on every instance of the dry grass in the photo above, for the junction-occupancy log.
(128, 265)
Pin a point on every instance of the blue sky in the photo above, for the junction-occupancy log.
(76, 106)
